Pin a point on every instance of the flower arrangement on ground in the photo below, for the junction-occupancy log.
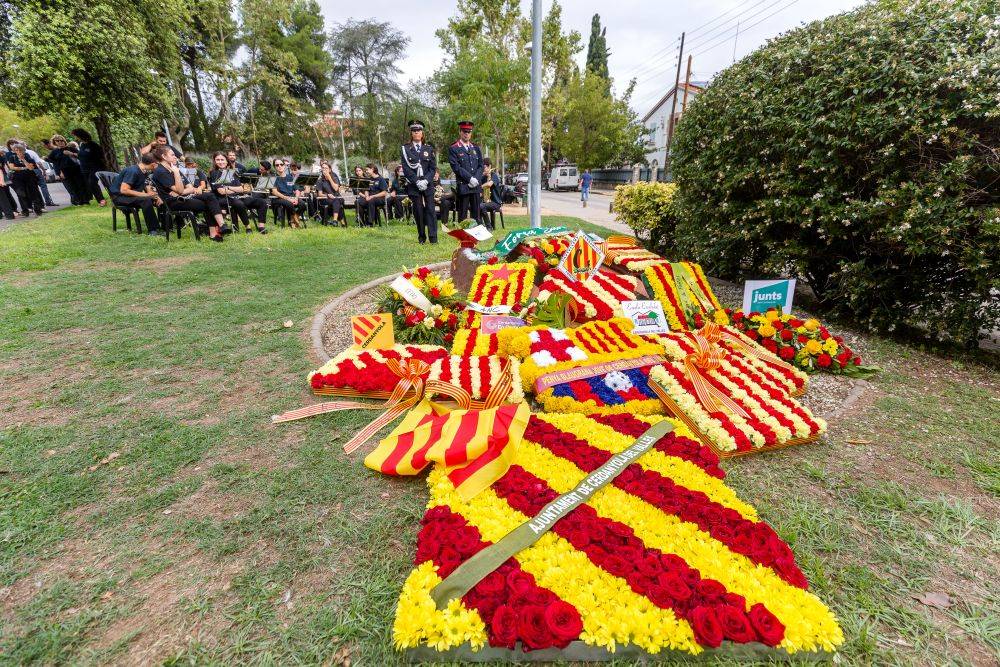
(625, 253)
(665, 557)
(504, 286)
(683, 289)
(544, 254)
(597, 298)
(477, 375)
(365, 372)
(435, 326)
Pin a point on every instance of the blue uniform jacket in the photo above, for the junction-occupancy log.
(467, 163)
(426, 159)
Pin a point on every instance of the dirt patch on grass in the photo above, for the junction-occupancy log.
(162, 265)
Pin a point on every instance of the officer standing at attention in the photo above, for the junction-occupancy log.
(466, 160)
(419, 165)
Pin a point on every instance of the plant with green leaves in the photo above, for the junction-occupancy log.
(860, 154)
(649, 209)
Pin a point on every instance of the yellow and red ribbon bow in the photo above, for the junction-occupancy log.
(715, 334)
(706, 358)
(407, 393)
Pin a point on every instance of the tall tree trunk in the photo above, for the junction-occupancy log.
(103, 125)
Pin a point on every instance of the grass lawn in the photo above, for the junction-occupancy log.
(149, 511)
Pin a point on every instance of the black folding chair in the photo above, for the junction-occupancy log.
(172, 219)
(106, 178)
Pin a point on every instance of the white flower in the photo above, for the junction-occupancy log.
(436, 310)
(429, 322)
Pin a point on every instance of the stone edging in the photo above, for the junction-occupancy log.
(319, 320)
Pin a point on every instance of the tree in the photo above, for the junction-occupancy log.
(861, 154)
(599, 130)
(130, 80)
(365, 77)
(597, 49)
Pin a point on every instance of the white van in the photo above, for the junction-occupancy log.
(563, 177)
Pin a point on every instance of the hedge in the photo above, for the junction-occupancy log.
(860, 153)
(648, 208)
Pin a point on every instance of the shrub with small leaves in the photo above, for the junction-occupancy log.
(648, 208)
(860, 153)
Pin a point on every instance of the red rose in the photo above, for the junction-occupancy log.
(465, 542)
(492, 586)
(803, 338)
(532, 627)
(752, 333)
(787, 335)
(771, 345)
(674, 586)
(316, 381)
(778, 326)
(707, 629)
(492, 260)
(448, 559)
(710, 588)
(448, 337)
(856, 361)
(617, 565)
(735, 624)
(795, 323)
(407, 275)
(769, 629)
(787, 353)
(504, 627)
(738, 316)
(824, 360)
(564, 621)
(520, 581)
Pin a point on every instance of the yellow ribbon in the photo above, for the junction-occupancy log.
(715, 334)
(706, 358)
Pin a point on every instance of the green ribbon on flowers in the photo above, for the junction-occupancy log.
(514, 239)
(474, 570)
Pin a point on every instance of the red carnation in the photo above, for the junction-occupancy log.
(787, 335)
(492, 260)
(707, 629)
(533, 628)
(735, 624)
(564, 621)
(770, 630)
(824, 360)
(448, 337)
(856, 361)
(778, 326)
(795, 323)
(407, 275)
(787, 353)
(504, 627)
(737, 316)
(435, 292)
(803, 338)
(770, 344)
(423, 272)
(316, 381)
(752, 333)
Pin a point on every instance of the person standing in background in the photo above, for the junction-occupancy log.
(8, 207)
(22, 178)
(64, 162)
(466, 161)
(419, 167)
(40, 174)
(91, 157)
(584, 185)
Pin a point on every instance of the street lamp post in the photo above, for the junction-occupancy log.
(535, 121)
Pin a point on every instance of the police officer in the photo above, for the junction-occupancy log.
(419, 165)
(466, 160)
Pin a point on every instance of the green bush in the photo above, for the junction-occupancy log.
(648, 208)
(860, 153)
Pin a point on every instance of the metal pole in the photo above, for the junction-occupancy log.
(687, 83)
(673, 110)
(734, 40)
(535, 134)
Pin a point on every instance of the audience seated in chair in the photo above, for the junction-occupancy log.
(130, 190)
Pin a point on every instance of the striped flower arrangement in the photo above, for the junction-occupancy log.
(598, 298)
(683, 289)
(477, 375)
(665, 558)
(502, 284)
(357, 372)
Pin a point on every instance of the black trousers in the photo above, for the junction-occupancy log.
(468, 206)
(284, 208)
(424, 215)
(445, 207)
(331, 207)
(145, 204)
(489, 214)
(25, 185)
(240, 207)
(395, 203)
(91, 188)
(7, 205)
(205, 203)
(73, 180)
(371, 208)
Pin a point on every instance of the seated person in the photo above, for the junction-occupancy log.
(225, 183)
(374, 198)
(445, 199)
(397, 195)
(286, 196)
(492, 195)
(234, 163)
(179, 195)
(131, 190)
(200, 179)
(328, 198)
(160, 139)
(359, 184)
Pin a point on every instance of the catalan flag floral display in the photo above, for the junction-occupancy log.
(665, 558)
(597, 298)
(683, 290)
(435, 326)
(625, 253)
(356, 372)
(503, 285)
(544, 254)
(477, 375)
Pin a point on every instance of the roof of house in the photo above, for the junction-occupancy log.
(694, 86)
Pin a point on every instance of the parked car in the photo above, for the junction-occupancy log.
(563, 177)
(521, 178)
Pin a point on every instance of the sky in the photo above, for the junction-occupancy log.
(642, 35)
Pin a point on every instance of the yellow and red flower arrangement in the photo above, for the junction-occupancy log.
(411, 324)
(663, 558)
(357, 372)
(683, 290)
(501, 286)
(597, 298)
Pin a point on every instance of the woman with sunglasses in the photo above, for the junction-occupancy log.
(331, 203)
(287, 195)
(225, 183)
(66, 165)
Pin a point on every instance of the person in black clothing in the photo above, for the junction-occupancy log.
(130, 189)
(66, 165)
(200, 179)
(331, 204)
(225, 183)
(160, 139)
(397, 193)
(179, 195)
(23, 179)
(234, 163)
(8, 207)
(444, 198)
(493, 185)
(359, 183)
(374, 198)
(91, 157)
(286, 195)
(466, 159)
(419, 164)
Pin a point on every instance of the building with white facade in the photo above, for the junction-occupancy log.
(657, 121)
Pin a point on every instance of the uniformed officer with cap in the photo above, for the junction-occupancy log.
(466, 160)
(419, 165)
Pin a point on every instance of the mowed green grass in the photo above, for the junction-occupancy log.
(149, 512)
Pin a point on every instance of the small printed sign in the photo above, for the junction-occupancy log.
(582, 258)
(488, 310)
(491, 324)
(647, 317)
(479, 232)
(759, 296)
(373, 332)
(411, 294)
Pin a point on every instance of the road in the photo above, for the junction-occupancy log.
(59, 196)
(568, 203)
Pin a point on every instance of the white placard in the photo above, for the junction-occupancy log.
(411, 294)
(759, 296)
(647, 317)
(479, 232)
(488, 310)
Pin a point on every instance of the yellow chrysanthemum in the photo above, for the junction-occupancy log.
(766, 330)
(812, 324)
(814, 347)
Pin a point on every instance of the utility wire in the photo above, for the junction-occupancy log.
(744, 30)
